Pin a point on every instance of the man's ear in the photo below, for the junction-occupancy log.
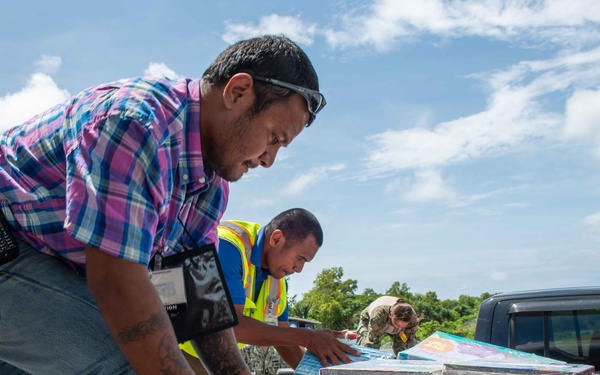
(239, 90)
(277, 239)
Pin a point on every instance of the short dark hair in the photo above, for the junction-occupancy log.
(296, 224)
(272, 56)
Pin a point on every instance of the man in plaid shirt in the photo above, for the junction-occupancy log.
(107, 179)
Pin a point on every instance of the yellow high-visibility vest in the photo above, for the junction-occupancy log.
(242, 235)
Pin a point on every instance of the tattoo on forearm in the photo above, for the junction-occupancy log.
(220, 354)
(144, 328)
(172, 362)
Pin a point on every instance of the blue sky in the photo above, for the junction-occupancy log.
(459, 151)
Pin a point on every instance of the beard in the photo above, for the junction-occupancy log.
(228, 148)
(227, 173)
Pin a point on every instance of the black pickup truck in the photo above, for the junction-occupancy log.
(563, 324)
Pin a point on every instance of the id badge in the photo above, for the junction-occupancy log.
(207, 306)
(403, 337)
(270, 315)
(170, 286)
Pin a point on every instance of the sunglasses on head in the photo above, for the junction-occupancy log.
(314, 99)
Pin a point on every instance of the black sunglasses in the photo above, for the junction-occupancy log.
(314, 99)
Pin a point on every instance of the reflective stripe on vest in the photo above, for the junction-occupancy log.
(274, 295)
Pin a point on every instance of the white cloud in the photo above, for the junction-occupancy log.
(39, 94)
(385, 22)
(583, 115)
(314, 175)
(517, 205)
(592, 220)
(426, 185)
(48, 64)
(160, 70)
(258, 203)
(591, 224)
(498, 275)
(292, 27)
(515, 117)
(399, 225)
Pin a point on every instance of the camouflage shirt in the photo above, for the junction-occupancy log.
(262, 362)
(372, 328)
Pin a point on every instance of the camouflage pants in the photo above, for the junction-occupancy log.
(263, 362)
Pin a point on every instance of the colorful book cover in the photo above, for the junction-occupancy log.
(447, 348)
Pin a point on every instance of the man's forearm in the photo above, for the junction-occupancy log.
(134, 314)
(168, 355)
(220, 354)
(254, 332)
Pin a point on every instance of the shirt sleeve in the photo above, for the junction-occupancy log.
(377, 322)
(409, 334)
(231, 263)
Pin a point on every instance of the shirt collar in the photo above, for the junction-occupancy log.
(257, 250)
(191, 163)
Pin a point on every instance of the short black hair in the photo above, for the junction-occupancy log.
(296, 224)
(272, 56)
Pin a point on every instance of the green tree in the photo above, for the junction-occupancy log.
(427, 328)
(400, 290)
(300, 309)
(331, 299)
(331, 314)
(355, 304)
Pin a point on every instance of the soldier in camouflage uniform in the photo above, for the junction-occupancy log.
(262, 360)
(390, 316)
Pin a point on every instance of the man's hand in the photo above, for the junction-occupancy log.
(324, 344)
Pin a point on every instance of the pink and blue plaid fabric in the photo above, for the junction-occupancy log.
(118, 167)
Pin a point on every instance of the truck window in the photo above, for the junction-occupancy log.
(529, 332)
(566, 331)
(569, 334)
(589, 321)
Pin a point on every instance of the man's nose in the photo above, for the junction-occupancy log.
(268, 157)
(298, 267)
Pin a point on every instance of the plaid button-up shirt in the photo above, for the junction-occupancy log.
(118, 167)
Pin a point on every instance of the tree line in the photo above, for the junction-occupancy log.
(334, 302)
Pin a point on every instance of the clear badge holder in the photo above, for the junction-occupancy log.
(204, 305)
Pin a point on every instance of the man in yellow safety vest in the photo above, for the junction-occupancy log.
(255, 261)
